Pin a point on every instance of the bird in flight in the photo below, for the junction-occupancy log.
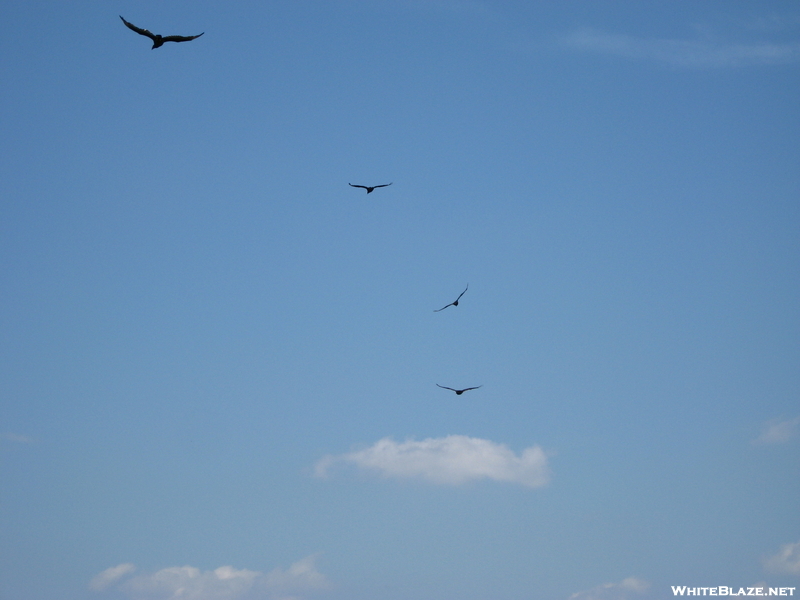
(456, 301)
(368, 188)
(459, 392)
(159, 40)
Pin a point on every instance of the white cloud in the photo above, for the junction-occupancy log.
(683, 53)
(190, 583)
(224, 583)
(778, 432)
(300, 576)
(630, 587)
(787, 560)
(103, 580)
(453, 460)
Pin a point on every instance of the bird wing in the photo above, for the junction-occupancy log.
(441, 309)
(361, 186)
(384, 185)
(446, 388)
(138, 30)
(456, 300)
(181, 38)
(472, 388)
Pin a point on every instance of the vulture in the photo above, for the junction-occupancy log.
(459, 392)
(159, 40)
(370, 188)
(456, 300)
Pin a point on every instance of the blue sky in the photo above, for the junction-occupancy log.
(219, 361)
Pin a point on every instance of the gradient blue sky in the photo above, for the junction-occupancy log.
(219, 360)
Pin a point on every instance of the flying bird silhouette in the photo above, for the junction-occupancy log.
(459, 392)
(159, 40)
(456, 301)
(368, 188)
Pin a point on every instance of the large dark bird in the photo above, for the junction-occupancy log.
(459, 392)
(456, 301)
(159, 40)
(368, 188)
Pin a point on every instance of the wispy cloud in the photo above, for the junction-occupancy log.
(301, 576)
(452, 460)
(224, 583)
(630, 587)
(688, 53)
(104, 580)
(778, 432)
(787, 560)
(14, 437)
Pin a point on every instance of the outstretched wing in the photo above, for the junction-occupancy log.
(447, 388)
(361, 186)
(441, 309)
(384, 185)
(138, 30)
(472, 388)
(181, 38)
(454, 303)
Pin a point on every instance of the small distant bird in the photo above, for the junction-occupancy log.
(159, 40)
(368, 188)
(456, 301)
(459, 392)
